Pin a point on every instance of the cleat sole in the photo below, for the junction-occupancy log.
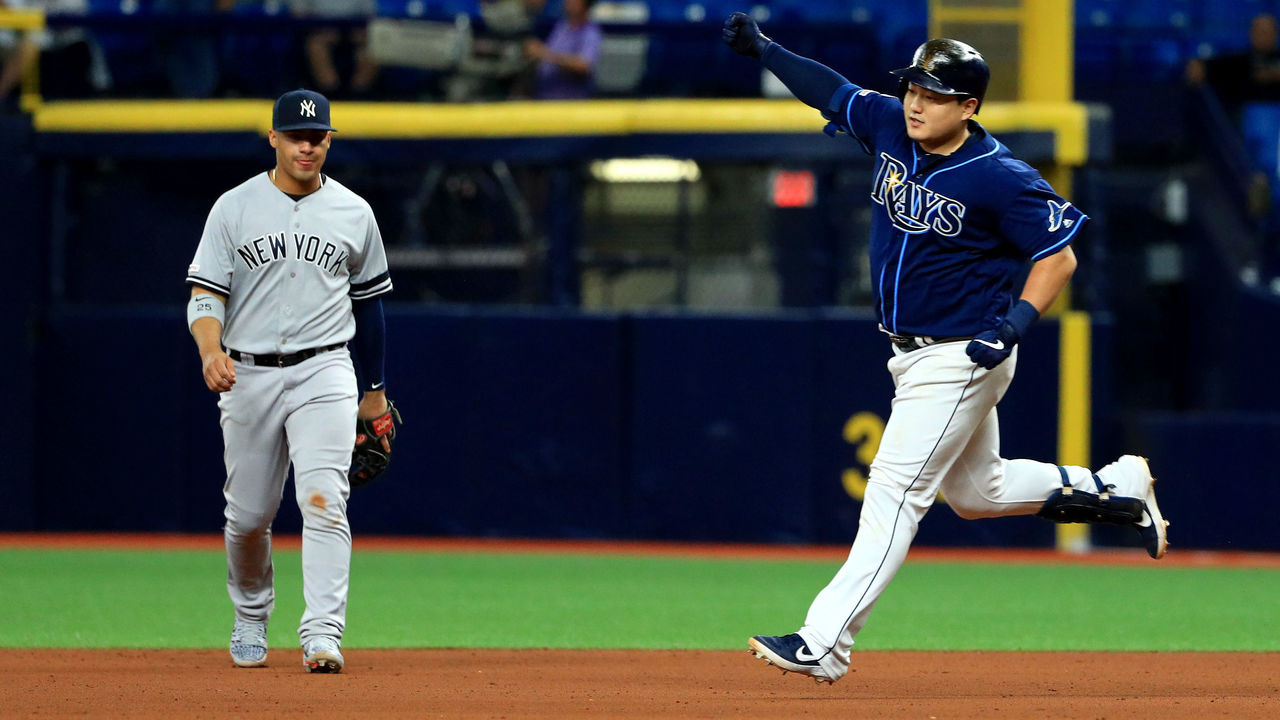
(1157, 518)
(760, 655)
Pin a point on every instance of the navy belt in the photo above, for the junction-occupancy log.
(907, 343)
(283, 361)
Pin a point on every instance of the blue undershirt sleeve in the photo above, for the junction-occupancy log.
(813, 83)
(369, 347)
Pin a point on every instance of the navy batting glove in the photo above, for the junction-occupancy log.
(743, 35)
(992, 347)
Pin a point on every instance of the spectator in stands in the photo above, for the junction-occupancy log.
(566, 61)
(496, 67)
(1252, 75)
(330, 50)
(70, 61)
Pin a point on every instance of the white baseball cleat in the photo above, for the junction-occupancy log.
(1153, 527)
(1130, 478)
(321, 655)
(249, 643)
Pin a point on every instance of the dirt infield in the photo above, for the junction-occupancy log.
(517, 684)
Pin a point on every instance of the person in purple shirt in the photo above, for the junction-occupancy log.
(568, 57)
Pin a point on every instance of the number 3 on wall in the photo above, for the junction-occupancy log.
(863, 431)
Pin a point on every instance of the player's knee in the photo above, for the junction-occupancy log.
(971, 503)
(323, 507)
(245, 525)
(967, 510)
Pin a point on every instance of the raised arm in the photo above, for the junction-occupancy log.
(812, 82)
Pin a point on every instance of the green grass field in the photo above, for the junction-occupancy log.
(177, 599)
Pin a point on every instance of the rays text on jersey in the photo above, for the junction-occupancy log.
(912, 207)
(309, 248)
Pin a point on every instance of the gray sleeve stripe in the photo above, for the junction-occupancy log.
(371, 282)
(196, 280)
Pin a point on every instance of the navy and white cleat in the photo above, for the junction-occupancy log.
(1155, 535)
(790, 653)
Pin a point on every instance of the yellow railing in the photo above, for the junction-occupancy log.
(1068, 122)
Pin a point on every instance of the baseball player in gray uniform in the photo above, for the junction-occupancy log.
(957, 222)
(289, 270)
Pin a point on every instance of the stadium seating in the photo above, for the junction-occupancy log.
(1139, 40)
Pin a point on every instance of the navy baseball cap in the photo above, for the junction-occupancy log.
(301, 110)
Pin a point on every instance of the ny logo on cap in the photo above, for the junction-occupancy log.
(309, 108)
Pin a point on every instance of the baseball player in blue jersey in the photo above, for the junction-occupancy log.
(291, 268)
(957, 220)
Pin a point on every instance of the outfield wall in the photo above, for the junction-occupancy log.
(528, 424)
(553, 424)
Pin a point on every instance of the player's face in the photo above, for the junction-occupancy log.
(300, 154)
(935, 120)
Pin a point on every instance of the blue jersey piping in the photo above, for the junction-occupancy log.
(1049, 250)
(902, 254)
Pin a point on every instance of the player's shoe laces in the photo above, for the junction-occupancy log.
(249, 643)
(321, 655)
(790, 653)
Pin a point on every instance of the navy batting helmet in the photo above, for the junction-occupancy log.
(946, 66)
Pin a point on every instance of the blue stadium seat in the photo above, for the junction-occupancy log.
(1261, 125)
(1096, 13)
(454, 7)
(393, 8)
(1226, 24)
(667, 12)
(110, 7)
(715, 11)
(815, 11)
(1158, 14)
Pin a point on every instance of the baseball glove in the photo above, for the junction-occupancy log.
(370, 459)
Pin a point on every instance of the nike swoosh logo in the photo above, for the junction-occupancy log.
(803, 654)
(997, 345)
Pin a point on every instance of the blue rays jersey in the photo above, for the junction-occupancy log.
(953, 234)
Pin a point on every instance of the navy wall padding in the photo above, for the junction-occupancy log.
(722, 436)
(119, 386)
(512, 426)
(1215, 479)
(22, 205)
(556, 423)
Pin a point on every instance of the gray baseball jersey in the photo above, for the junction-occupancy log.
(290, 269)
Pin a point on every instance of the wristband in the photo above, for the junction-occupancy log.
(1021, 316)
(206, 305)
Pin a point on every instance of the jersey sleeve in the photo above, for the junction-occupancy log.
(1040, 222)
(212, 265)
(369, 274)
(862, 113)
